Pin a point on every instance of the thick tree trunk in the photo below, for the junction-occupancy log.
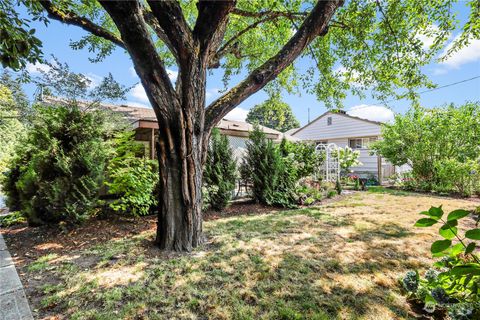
(182, 144)
(180, 199)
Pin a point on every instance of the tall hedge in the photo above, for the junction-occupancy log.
(273, 177)
(59, 167)
(220, 171)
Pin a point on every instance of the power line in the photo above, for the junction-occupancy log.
(421, 92)
(437, 88)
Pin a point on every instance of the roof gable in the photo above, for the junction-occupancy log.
(335, 113)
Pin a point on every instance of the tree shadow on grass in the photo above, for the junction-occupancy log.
(278, 266)
(389, 230)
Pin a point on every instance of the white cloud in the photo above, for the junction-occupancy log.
(372, 112)
(37, 67)
(212, 93)
(139, 93)
(238, 114)
(95, 79)
(465, 55)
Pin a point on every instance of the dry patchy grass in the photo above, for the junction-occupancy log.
(338, 261)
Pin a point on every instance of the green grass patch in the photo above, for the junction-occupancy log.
(381, 189)
(42, 263)
(338, 261)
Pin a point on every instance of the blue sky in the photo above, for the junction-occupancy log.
(463, 65)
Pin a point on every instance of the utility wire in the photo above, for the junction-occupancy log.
(437, 88)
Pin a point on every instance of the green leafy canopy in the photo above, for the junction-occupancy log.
(274, 114)
(373, 46)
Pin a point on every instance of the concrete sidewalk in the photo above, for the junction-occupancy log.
(13, 302)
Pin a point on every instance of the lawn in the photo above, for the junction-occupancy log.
(341, 260)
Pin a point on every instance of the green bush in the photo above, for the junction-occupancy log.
(131, 176)
(11, 129)
(461, 177)
(453, 283)
(273, 177)
(59, 166)
(440, 144)
(338, 187)
(304, 155)
(347, 157)
(11, 219)
(220, 172)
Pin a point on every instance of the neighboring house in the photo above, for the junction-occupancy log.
(144, 123)
(237, 132)
(345, 130)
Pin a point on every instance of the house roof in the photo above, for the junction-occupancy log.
(139, 117)
(291, 131)
(341, 113)
(234, 125)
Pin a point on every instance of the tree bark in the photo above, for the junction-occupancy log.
(179, 225)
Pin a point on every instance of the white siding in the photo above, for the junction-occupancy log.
(342, 129)
(369, 162)
(342, 126)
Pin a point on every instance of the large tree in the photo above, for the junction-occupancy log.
(374, 45)
(273, 113)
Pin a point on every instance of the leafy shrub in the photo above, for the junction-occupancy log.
(462, 177)
(304, 155)
(59, 167)
(11, 219)
(338, 187)
(220, 172)
(331, 193)
(131, 176)
(273, 177)
(11, 129)
(308, 195)
(453, 283)
(347, 157)
(440, 145)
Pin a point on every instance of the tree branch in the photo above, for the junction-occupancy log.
(153, 23)
(287, 14)
(70, 17)
(211, 23)
(230, 45)
(170, 18)
(129, 20)
(314, 25)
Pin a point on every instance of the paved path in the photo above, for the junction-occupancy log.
(13, 302)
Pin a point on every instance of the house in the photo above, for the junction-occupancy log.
(237, 132)
(143, 121)
(342, 129)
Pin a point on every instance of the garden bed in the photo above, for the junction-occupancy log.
(340, 260)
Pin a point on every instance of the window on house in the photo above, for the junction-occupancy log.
(322, 142)
(361, 143)
(329, 121)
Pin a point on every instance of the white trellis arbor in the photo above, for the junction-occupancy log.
(329, 170)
